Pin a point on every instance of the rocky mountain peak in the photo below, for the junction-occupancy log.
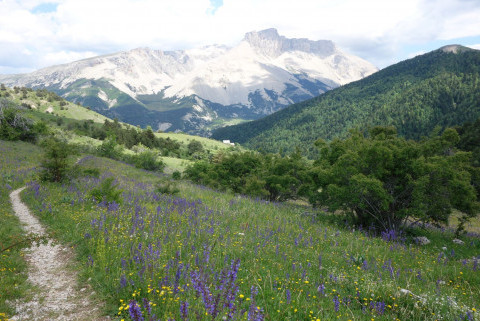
(270, 43)
(455, 48)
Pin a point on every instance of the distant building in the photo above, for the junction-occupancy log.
(227, 141)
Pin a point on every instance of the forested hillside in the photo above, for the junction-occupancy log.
(438, 89)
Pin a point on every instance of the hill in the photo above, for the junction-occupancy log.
(436, 90)
(89, 130)
(199, 89)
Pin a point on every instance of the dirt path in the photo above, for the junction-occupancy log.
(50, 271)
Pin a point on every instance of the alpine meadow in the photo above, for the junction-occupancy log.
(355, 197)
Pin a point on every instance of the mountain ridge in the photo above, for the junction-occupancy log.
(437, 89)
(190, 90)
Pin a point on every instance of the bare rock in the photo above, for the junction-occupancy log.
(421, 240)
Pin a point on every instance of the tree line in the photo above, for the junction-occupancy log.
(376, 178)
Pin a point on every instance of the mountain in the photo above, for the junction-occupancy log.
(198, 89)
(436, 90)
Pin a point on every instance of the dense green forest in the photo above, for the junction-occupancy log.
(417, 96)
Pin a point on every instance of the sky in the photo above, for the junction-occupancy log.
(37, 33)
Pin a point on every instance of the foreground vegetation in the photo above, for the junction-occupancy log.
(208, 255)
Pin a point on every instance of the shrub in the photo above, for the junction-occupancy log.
(167, 187)
(55, 163)
(109, 148)
(176, 175)
(106, 192)
(194, 147)
(148, 160)
(13, 125)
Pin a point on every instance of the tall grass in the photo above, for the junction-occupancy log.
(212, 256)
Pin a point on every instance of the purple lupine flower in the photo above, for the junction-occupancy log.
(147, 306)
(321, 289)
(365, 265)
(289, 296)
(135, 312)
(380, 307)
(419, 275)
(202, 290)
(178, 274)
(184, 310)
(336, 303)
(123, 281)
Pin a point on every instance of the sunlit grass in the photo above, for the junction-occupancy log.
(158, 250)
(209, 144)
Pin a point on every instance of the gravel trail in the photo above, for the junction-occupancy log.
(57, 295)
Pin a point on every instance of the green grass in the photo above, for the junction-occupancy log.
(70, 110)
(175, 164)
(17, 166)
(150, 246)
(209, 144)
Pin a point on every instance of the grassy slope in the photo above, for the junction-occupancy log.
(17, 165)
(75, 113)
(210, 144)
(298, 261)
(70, 110)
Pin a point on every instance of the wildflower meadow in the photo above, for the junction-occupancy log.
(206, 255)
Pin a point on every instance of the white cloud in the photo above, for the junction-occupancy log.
(374, 29)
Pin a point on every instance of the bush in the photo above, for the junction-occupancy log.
(194, 147)
(107, 192)
(56, 166)
(167, 187)
(176, 175)
(270, 176)
(109, 148)
(13, 125)
(148, 160)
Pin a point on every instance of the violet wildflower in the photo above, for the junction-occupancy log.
(135, 312)
(336, 303)
(146, 304)
(321, 289)
(184, 310)
(123, 281)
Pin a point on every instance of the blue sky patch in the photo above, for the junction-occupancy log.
(408, 50)
(45, 8)
(215, 4)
